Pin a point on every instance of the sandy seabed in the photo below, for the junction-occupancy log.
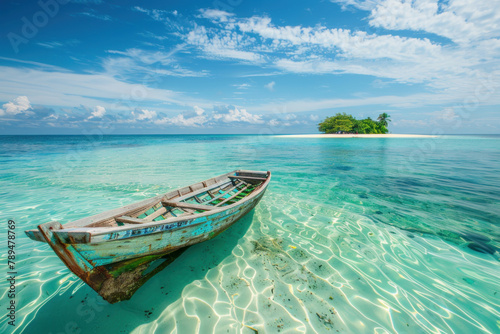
(335, 135)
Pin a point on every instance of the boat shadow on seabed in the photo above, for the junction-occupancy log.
(163, 287)
(192, 263)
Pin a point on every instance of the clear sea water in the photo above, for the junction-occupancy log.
(385, 235)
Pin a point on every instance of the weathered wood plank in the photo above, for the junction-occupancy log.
(200, 191)
(188, 205)
(251, 173)
(155, 214)
(130, 220)
(223, 194)
(35, 235)
(147, 203)
(230, 198)
(250, 179)
(140, 212)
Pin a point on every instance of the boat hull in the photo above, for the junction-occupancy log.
(120, 263)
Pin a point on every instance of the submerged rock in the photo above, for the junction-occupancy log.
(482, 248)
(471, 236)
(468, 280)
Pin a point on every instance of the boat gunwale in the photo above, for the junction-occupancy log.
(99, 231)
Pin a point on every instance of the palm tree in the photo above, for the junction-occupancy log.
(383, 119)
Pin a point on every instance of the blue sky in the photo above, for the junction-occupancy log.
(235, 66)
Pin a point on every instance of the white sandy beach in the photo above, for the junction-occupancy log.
(335, 135)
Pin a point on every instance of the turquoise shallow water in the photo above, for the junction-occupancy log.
(353, 236)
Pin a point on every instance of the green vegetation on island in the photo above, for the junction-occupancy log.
(344, 123)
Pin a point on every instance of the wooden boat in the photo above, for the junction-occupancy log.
(117, 251)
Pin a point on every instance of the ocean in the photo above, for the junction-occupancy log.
(377, 235)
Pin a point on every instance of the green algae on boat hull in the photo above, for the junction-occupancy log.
(127, 279)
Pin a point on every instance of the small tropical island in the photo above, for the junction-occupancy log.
(343, 123)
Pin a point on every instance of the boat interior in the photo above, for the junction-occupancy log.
(198, 198)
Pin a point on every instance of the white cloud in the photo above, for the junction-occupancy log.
(150, 64)
(37, 64)
(65, 89)
(318, 49)
(446, 67)
(20, 104)
(412, 123)
(270, 85)
(52, 117)
(274, 122)
(242, 86)
(95, 15)
(156, 14)
(144, 114)
(304, 105)
(198, 117)
(97, 113)
(199, 111)
(342, 42)
(180, 120)
(201, 118)
(222, 44)
(236, 115)
(215, 15)
(447, 114)
(50, 45)
(462, 21)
